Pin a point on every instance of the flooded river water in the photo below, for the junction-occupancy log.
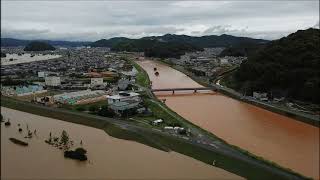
(287, 142)
(25, 58)
(109, 158)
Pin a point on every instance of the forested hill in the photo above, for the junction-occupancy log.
(290, 65)
(109, 42)
(39, 46)
(154, 48)
(10, 42)
(171, 45)
(223, 40)
(242, 49)
(202, 42)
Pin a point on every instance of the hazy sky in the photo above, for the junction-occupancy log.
(93, 20)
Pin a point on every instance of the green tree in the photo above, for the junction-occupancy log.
(64, 139)
(93, 108)
(80, 108)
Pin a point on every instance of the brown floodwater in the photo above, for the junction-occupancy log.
(25, 58)
(108, 157)
(287, 142)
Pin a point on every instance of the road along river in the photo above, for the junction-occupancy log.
(108, 158)
(287, 142)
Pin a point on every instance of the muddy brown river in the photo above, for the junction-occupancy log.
(108, 158)
(287, 142)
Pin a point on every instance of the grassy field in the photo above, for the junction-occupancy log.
(142, 76)
(85, 107)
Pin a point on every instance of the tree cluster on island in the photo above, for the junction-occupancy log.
(64, 143)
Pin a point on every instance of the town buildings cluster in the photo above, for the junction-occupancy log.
(79, 76)
(207, 63)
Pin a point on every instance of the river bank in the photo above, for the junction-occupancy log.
(108, 158)
(244, 166)
(241, 124)
(299, 116)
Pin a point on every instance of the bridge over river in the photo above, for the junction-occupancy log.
(194, 89)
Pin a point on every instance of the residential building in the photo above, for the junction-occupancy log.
(261, 96)
(52, 81)
(96, 81)
(120, 106)
(22, 90)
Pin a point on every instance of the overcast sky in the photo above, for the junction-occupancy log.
(93, 20)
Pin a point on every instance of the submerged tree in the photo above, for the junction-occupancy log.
(64, 139)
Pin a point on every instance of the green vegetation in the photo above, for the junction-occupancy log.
(154, 48)
(171, 45)
(80, 108)
(203, 42)
(105, 111)
(64, 139)
(109, 42)
(79, 154)
(91, 107)
(39, 46)
(142, 77)
(289, 67)
(242, 49)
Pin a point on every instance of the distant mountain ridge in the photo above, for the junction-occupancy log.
(223, 40)
(11, 42)
(155, 48)
(201, 42)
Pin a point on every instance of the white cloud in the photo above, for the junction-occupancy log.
(93, 20)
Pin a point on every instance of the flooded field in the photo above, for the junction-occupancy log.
(25, 58)
(287, 142)
(108, 157)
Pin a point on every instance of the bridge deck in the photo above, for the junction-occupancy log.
(184, 89)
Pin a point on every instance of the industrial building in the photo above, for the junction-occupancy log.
(96, 81)
(52, 81)
(22, 90)
(123, 96)
(80, 97)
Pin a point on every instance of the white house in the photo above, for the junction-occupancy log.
(123, 96)
(52, 81)
(123, 84)
(224, 61)
(96, 81)
(260, 96)
(120, 106)
(156, 122)
(41, 74)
